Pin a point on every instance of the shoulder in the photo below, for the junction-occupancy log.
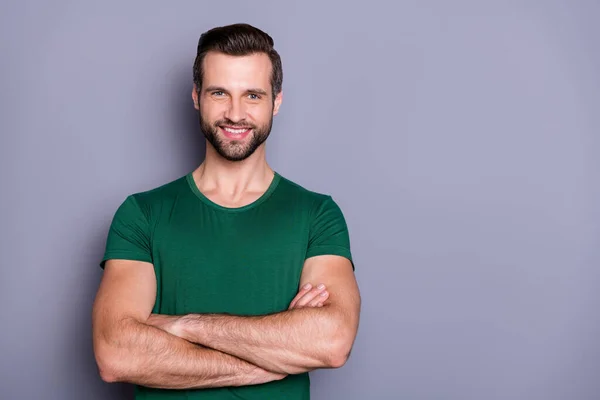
(317, 203)
(165, 190)
(303, 194)
(150, 200)
(296, 189)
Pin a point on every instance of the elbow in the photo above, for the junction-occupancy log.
(111, 354)
(340, 342)
(339, 351)
(107, 375)
(108, 363)
(333, 355)
(107, 366)
(338, 361)
(338, 356)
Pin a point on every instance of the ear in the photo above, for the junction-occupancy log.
(195, 97)
(277, 103)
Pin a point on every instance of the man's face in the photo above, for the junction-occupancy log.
(236, 103)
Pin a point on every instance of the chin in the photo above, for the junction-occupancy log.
(234, 156)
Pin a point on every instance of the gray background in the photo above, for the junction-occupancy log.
(460, 139)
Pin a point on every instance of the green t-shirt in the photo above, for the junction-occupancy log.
(241, 261)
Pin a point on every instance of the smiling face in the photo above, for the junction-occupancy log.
(236, 103)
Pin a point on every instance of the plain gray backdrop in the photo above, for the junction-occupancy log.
(461, 140)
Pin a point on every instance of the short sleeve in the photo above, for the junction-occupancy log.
(129, 234)
(329, 232)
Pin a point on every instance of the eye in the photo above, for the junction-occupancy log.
(218, 93)
(254, 96)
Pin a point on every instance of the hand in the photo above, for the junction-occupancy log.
(168, 323)
(310, 296)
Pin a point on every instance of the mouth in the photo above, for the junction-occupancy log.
(235, 133)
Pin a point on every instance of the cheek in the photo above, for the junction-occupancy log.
(211, 111)
(260, 114)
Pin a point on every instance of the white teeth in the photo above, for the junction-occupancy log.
(235, 131)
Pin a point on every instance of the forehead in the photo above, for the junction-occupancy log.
(253, 70)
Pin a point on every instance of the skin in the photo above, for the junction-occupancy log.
(197, 351)
(226, 182)
(129, 349)
(298, 340)
(310, 296)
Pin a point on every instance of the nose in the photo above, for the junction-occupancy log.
(236, 110)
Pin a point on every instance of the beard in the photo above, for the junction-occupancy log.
(235, 150)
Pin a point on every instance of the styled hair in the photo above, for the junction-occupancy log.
(238, 40)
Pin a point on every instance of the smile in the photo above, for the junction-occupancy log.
(235, 133)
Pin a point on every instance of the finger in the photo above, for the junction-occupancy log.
(319, 300)
(310, 296)
(305, 289)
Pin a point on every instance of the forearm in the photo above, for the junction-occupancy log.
(292, 342)
(147, 356)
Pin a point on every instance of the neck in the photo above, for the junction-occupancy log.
(233, 178)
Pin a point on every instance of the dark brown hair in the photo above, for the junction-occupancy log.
(238, 40)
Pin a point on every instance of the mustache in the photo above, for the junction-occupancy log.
(230, 123)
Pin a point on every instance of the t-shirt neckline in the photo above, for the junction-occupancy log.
(255, 203)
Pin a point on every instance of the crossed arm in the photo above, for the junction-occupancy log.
(195, 351)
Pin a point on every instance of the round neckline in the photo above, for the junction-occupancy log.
(255, 203)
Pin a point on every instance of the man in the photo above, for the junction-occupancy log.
(231, 282)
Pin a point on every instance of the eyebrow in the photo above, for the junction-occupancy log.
(214, 89)
(222, 89)
(257, 91)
